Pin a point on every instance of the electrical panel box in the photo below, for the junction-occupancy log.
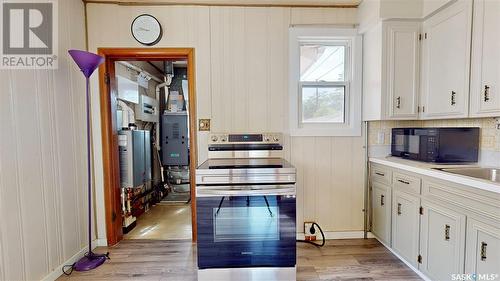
(135, 157)
(175, 139)
(147, 110)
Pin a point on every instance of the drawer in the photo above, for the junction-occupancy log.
(406, 183)
(380, 174)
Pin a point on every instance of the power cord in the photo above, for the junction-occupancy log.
(312, 230)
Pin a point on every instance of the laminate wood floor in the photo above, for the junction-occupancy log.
(351, 259)
(164, 221)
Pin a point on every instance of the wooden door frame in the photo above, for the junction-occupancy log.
(111, 168)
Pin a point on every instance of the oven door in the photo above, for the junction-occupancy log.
(246, 226)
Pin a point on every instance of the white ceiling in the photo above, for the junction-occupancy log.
(298, 3)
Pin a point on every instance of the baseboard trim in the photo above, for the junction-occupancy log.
(329, 235)
(57, 272)
(418, 272)
(103, 242)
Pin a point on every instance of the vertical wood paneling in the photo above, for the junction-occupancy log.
(30, 187)
(242, 85)
(256, 61)
(42, 170)
(323, 194)
(12, 230)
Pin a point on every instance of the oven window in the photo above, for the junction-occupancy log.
(252, 223)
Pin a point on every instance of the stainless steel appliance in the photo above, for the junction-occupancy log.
(440, 145)
(245, 206)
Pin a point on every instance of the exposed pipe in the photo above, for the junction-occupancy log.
(128, 114)
(165, 83)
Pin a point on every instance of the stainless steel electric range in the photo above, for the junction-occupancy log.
(245, 208)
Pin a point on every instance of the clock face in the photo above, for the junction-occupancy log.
(146, 29)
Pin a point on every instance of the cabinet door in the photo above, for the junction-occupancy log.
(446, 62)
(442, 241)
(402, 49)
(381, 212)
(485, 73)
(483, 248)
(405, 225)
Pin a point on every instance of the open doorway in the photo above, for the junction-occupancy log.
(149, 145)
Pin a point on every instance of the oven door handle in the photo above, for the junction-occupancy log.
(211, 191)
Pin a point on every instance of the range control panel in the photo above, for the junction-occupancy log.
(264, 138)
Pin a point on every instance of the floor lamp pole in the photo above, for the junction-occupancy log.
(88, 62)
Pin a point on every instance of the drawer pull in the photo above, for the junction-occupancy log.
(405, 182)
(382, 203)
(447, 232)
(483, 251)
(380, 174)
(399, 209)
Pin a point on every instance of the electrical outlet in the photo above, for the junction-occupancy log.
(309, 231)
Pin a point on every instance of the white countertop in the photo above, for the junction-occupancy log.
(427, 170)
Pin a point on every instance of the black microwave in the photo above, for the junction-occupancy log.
(440, 145)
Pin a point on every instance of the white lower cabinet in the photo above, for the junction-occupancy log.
(381, 214)
(443, 229)
(483, 248)
(442, 241)
(405, 225)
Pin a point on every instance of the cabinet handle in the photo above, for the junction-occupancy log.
(398, 102)
(486, 93)
(382, 203)
(447, 232)
(483, 251)
(380, 174)
(405, 182)
(453, 100)
(399, 209)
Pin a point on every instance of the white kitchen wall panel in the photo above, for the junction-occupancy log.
(42, 163)
(242, 85)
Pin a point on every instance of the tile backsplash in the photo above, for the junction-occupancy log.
(489, 135)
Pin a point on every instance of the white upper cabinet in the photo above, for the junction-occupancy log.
(402, 66)
(391, 71)
(446, 62)
(485, 74)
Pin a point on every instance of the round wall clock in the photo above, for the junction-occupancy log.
(146, 29)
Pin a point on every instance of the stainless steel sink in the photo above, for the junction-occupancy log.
(491, 174)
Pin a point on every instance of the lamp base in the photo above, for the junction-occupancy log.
(89, 262)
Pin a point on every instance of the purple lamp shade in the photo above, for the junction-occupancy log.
(86, 61)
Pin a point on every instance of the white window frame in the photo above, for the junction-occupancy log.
(349, 37)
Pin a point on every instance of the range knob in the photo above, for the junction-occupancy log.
(223, 139)
(276, 139)
(267, 139)
(214, 138)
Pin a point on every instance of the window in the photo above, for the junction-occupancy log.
(325, 82)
